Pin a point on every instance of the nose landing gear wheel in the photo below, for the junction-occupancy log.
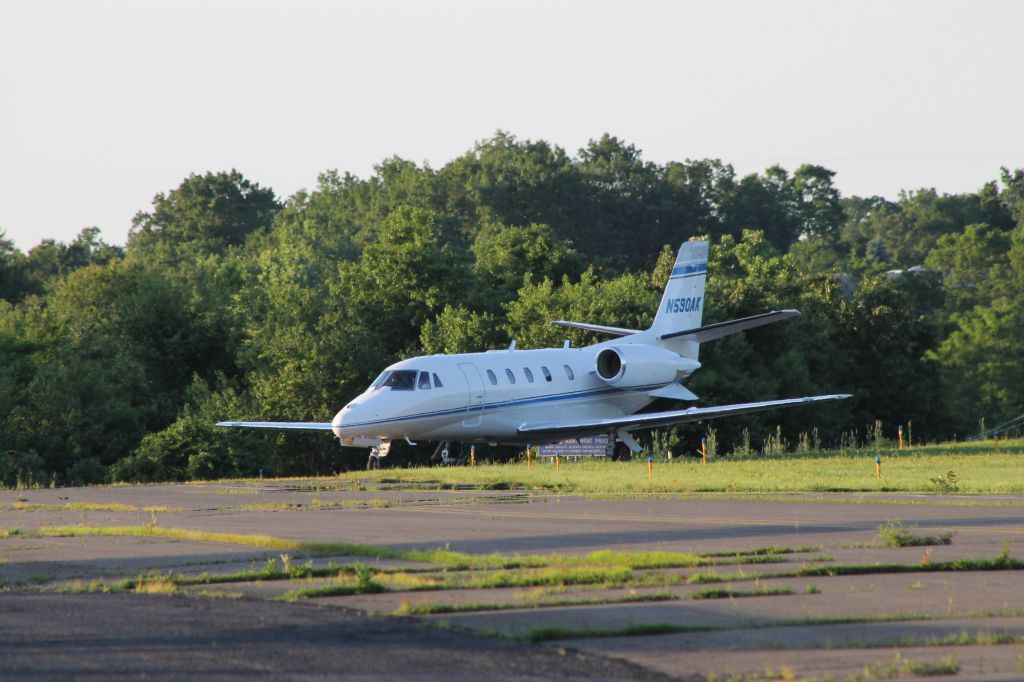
(377, 454)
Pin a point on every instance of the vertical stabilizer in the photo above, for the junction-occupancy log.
(682, 305)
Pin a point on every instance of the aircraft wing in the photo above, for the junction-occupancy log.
(630, 422)
(287, 426)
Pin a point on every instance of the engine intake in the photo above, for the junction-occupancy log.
(609, 365)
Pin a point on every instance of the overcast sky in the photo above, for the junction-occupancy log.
(104, 104)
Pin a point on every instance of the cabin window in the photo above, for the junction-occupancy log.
(437, 382)
(510, 375)
(397, 380)
(528, 373)
(568, 372)
(424, 380)
(547, 374)
(493, 379)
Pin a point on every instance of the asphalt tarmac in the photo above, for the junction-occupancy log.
(154, 637)
(834, 625)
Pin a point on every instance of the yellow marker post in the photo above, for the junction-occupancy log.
(900, 433)
(529, 461)
(650, 467)
(878, 467)
(703, 451)
(556, 462)
(472, 455)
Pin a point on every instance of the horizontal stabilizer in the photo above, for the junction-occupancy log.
(650, 420)
(287, 426)
(614, 331)
(673, 391)
(719, 329)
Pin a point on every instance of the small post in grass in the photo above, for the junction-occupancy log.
(472, 455)
(900, 433)
(703, 450)
(650, 467)
(878, 467)
(556, 461)
(529, 461)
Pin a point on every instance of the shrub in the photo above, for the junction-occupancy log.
(21, 469)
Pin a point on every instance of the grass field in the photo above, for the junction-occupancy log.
(964, 468)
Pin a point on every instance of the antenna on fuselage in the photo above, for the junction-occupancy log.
(512, 346)
(565, 344)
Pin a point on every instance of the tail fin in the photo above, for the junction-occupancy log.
(682, 305)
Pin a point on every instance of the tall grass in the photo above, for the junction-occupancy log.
(980, 467)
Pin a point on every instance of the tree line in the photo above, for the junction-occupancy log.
(230, 302)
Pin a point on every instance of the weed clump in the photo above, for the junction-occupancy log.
(947, 665)
(365, 583)
(945, 484)
(896, 534)
(726, 593)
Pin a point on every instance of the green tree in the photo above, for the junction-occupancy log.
(22, 275)
(982, 372)
(459, 330)
(625, 203)
(80, 398)
(13, 271)
(150, 318)
(512, 182)
(972, 264)
(404, 279)
(888, 366)
(194, 448)
(628, 301)
(508, 255)
(784, 207)
(208, 213)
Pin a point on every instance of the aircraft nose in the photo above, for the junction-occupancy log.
(338, 423)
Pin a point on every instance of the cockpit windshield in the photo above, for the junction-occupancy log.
(396, 379)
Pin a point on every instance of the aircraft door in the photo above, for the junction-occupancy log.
(475, 394)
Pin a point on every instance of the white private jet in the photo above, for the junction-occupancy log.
(551, 394)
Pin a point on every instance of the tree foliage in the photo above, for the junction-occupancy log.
(226, 303)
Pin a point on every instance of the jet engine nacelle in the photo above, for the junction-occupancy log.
(628, 366)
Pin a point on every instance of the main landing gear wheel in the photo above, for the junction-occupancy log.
(622, 453)
(374, 461)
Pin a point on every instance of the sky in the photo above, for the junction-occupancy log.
(105, 104)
